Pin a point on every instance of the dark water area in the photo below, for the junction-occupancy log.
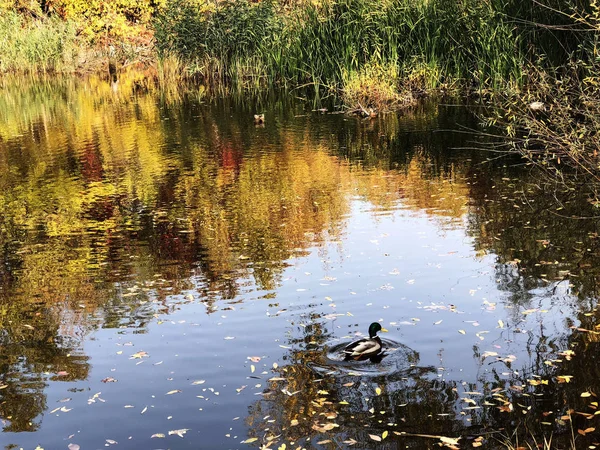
(174, 276)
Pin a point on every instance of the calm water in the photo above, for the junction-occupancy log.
(173, 276)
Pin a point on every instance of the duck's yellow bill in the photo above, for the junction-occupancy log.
(384, 330)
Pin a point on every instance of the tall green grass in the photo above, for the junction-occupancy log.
(474, 42)
(37, 46)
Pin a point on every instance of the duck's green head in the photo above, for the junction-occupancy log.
(374, 328)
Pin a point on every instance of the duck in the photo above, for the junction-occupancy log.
(367, 347)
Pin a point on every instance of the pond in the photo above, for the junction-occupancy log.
(174, 275)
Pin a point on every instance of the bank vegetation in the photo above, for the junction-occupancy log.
(535, 64)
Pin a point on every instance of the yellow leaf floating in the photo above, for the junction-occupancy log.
(249, 441)
(586, 394)
(384, 434)
(375, 437)
(378, 391)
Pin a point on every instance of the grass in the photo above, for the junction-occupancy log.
(42, 46)
(429, 43)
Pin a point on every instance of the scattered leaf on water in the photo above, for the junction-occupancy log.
(249, 441)
(199, 382)
(462, 331)
(384, 434)
(73, 447)
(252, 368)
(228, 338)
(179, 432)
(174, 391)
(378, 391)
(449, 440)
(375, 437)
(254, 358)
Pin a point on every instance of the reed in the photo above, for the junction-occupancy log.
(321, 43)
(37, 46)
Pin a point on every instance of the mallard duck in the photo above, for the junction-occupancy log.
(367, 347)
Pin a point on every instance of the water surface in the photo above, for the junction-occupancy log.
(173, 276)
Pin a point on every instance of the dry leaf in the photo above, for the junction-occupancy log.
(174, 391)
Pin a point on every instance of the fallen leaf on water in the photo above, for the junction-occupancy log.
(109, 380)
(384, 434)
(350, 442)
(326, 441)
(438, 322)
(254, 358)
(158, 435)
(111, 442)
(294, 422)
(586, 394)
(252, 368)
(180, 432)
(449, 440)
(174, 391)
(500, 324)
(462, 331)
(139, 355)
(375, 437)
(144, 410)
(73, 447)
(249, 441)
(323, 428)
(228, 338)
(348, 384)
(378, 391)
(199, 382)
(586, 431)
